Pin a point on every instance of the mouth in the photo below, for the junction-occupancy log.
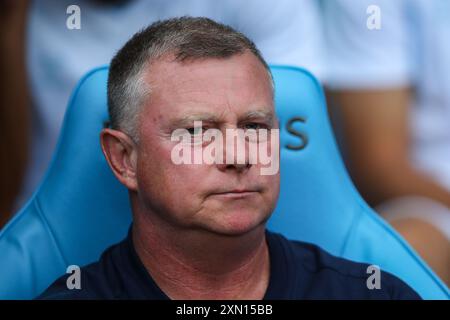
(236, 193)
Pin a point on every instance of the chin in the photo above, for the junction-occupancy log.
(240, 223)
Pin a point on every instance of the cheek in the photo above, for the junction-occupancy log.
(165, 184)
(152, 167)
(272, 188)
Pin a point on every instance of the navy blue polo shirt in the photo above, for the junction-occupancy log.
(298, 270)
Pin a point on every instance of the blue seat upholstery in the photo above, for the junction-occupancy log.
(80, 209)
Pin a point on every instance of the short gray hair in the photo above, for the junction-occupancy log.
(187, 38)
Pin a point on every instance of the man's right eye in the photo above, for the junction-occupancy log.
(195, 131)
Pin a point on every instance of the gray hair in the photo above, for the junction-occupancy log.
(187, 38)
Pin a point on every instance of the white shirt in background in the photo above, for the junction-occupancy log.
(412, 48)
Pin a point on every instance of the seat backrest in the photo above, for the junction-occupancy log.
(80, 209)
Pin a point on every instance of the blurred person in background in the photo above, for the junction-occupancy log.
(41, 60)
(389, 88)
(14, 104)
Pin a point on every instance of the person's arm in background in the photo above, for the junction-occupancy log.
(14, 103)
(370, 84)
(375, 129)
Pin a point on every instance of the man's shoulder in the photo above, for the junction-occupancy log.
(330, 276)
(94, 280)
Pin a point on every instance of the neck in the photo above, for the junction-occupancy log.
(197, 264)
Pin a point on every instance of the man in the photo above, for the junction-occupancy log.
(390, 90)
(43, 55)
(199, 229)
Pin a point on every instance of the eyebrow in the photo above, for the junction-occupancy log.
(188, 120)
(258, 114)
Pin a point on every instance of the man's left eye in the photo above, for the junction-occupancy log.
(254, 126)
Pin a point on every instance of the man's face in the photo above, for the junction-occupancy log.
(224, 94)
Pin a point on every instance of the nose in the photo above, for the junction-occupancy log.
(237, 167)
(235, 155)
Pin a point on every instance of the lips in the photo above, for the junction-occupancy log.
(236, 193)
(239, 191)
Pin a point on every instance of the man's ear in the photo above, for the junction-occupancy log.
(121, 153)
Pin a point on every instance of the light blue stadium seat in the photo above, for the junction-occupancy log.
(80, 209)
